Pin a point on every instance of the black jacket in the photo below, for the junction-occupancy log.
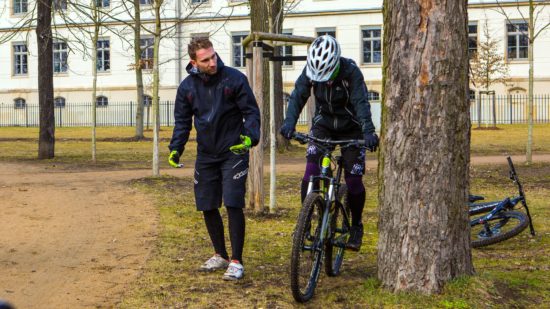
(341, 106)
(223, 107)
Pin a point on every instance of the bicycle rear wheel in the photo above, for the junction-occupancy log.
(503, 225)
(336, 243)
(307, 251)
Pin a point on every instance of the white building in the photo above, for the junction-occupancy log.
(358, 26)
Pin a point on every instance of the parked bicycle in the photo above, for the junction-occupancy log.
(323, 226)
(501, 221)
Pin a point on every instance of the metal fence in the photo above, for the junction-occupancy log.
(483, 110)
(80, 114)
(510, 109)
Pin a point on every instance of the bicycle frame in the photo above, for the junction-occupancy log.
(329, 187)
(503, 205)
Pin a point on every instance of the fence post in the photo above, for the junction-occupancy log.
(494, 112)
(509, 96)
(60, 117)
(26, 115)
(148, 108)
(166, 105)
(131, 113)
(479, 110)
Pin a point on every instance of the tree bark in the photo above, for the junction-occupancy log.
(46, 139)
(259, 21)
(424, 159)
(139, 71)
(156, 82)
(530, 115)
(277, 17)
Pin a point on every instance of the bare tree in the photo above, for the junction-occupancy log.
(535, 26)
(46, 139)
(488, 66)
(424, 159)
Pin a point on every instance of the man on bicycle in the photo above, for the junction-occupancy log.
(227, 121)
(342, 111)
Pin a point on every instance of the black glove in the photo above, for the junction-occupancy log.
(371, 141)
(287, 130)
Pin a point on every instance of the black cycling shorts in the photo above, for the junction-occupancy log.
(354, 158)
(220, 177)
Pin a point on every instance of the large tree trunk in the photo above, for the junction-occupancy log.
(260, 81)
(277, 17)
(530, 115)
(424, 160)
(46, 139)
(156, 82)
(139, 71)
(259, 21)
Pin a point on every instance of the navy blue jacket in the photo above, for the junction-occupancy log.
(223, 107)
(341, 106)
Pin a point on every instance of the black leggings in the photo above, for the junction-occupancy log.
(214, 225)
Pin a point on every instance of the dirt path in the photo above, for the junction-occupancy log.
(77, 239)
(70, 240)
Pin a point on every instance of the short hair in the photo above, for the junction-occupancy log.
(196, 44)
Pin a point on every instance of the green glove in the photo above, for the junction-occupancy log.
(242, 148)
(174, 159)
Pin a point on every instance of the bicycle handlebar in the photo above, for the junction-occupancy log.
(304, 138)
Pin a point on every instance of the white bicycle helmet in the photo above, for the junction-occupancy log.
(323, 58)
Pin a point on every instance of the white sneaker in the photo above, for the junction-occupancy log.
(214, 263)
(235, 271)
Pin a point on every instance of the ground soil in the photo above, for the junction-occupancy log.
(75, 238)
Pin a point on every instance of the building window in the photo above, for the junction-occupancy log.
(472, 39)
(147, 100)
(286, 51)
(59, 102)
(102, 3)
(239, 59)
(322, 31)
(146, 2)
(60, 5)
(471, 94)
(372, 45)
(373, 96)
(103, 56)
(196, 2)
(101, 101)
(147, 53)
(20, 6)
(20, 59)
(60, 54)
(518, 42)
(19, 103)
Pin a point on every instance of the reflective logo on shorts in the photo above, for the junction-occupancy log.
(311, 150)
(240, 174)
(357, 169)
(195, 180)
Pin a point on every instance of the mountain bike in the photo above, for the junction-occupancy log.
(323, 226)
(501, 221)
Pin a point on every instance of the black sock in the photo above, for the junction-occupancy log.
(214, 225)
(236, 232)
(356, 203)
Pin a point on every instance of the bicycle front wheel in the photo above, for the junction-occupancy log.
(336, 243)
(307, 250)
(503, 225)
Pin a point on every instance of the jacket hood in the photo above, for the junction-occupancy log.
(191, 70)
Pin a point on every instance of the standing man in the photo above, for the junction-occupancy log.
(342, 111)
(227, 121)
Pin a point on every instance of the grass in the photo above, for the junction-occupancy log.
(512, 274)
(117, 148)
